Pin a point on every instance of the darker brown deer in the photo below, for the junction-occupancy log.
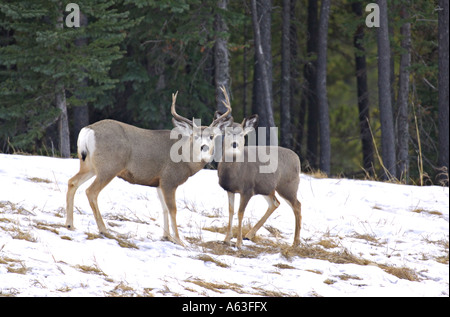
(109, 148)
(241, 171)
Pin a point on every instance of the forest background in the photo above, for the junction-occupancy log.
(351, 100)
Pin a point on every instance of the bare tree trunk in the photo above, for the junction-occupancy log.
(443, 92)
(363, 93)
(321, 89)
(63, 123)
(312, 148)
(221, 58)
(298, 106)
(384, 94)
(286, 133)
(403, 94)
(263, 69)
(245, 73)
(60, 101)
(80, 113)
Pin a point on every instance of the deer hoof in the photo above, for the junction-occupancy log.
(173, 240)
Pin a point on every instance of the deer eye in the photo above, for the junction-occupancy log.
(211, 136)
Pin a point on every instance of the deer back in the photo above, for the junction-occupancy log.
(247, 177)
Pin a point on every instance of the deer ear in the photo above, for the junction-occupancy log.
(250, 123)
(225, 123)
(217, 114)
(184, 127)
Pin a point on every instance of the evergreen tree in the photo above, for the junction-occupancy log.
(42, 65)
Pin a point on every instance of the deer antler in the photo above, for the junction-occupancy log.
(175, 114)
(226, 103)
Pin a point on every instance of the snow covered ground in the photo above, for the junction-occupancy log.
(359, 238)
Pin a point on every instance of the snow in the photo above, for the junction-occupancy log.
(385, 227)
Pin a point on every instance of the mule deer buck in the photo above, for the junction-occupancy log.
(109, 148)
(243, 175)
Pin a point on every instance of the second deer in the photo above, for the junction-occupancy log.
(243, 176)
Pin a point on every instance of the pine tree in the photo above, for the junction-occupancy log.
(42, 65)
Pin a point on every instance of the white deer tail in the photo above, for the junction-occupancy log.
(86, 143)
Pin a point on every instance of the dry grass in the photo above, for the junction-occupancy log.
(207, 258)
(41, 225)
(401, 272)
(12, 208)
(124, 290)
(215, 212)
(328, 244)
(246, 227)
(430, 212)
(284, 266)
(259, 291)
(318, 174)
(329, 281)
(217, 287)
(251, 252)
(346, 277)
(442, 259)
(17, 233)
(14, 265)
(65, 289)
(319, 251)
(9, 292)
(123, 218)
(91, 269)
(443, 243)
(122, 240)
(39, 180)
(237, 288)
(368, 237)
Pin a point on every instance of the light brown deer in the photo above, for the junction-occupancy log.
(109, 148)
(244, 174)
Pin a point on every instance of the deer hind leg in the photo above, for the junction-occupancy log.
(242, 204)
(170, 209)
(273, 204)
(81, 177)
(92, 193)
(230, 217)
(297, 209)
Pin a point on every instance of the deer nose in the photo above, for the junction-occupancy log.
(204, 148)
(234, 145)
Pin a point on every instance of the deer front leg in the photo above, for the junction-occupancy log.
(166, 230)
(230, 218)
(169, 202)
(242, 204)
